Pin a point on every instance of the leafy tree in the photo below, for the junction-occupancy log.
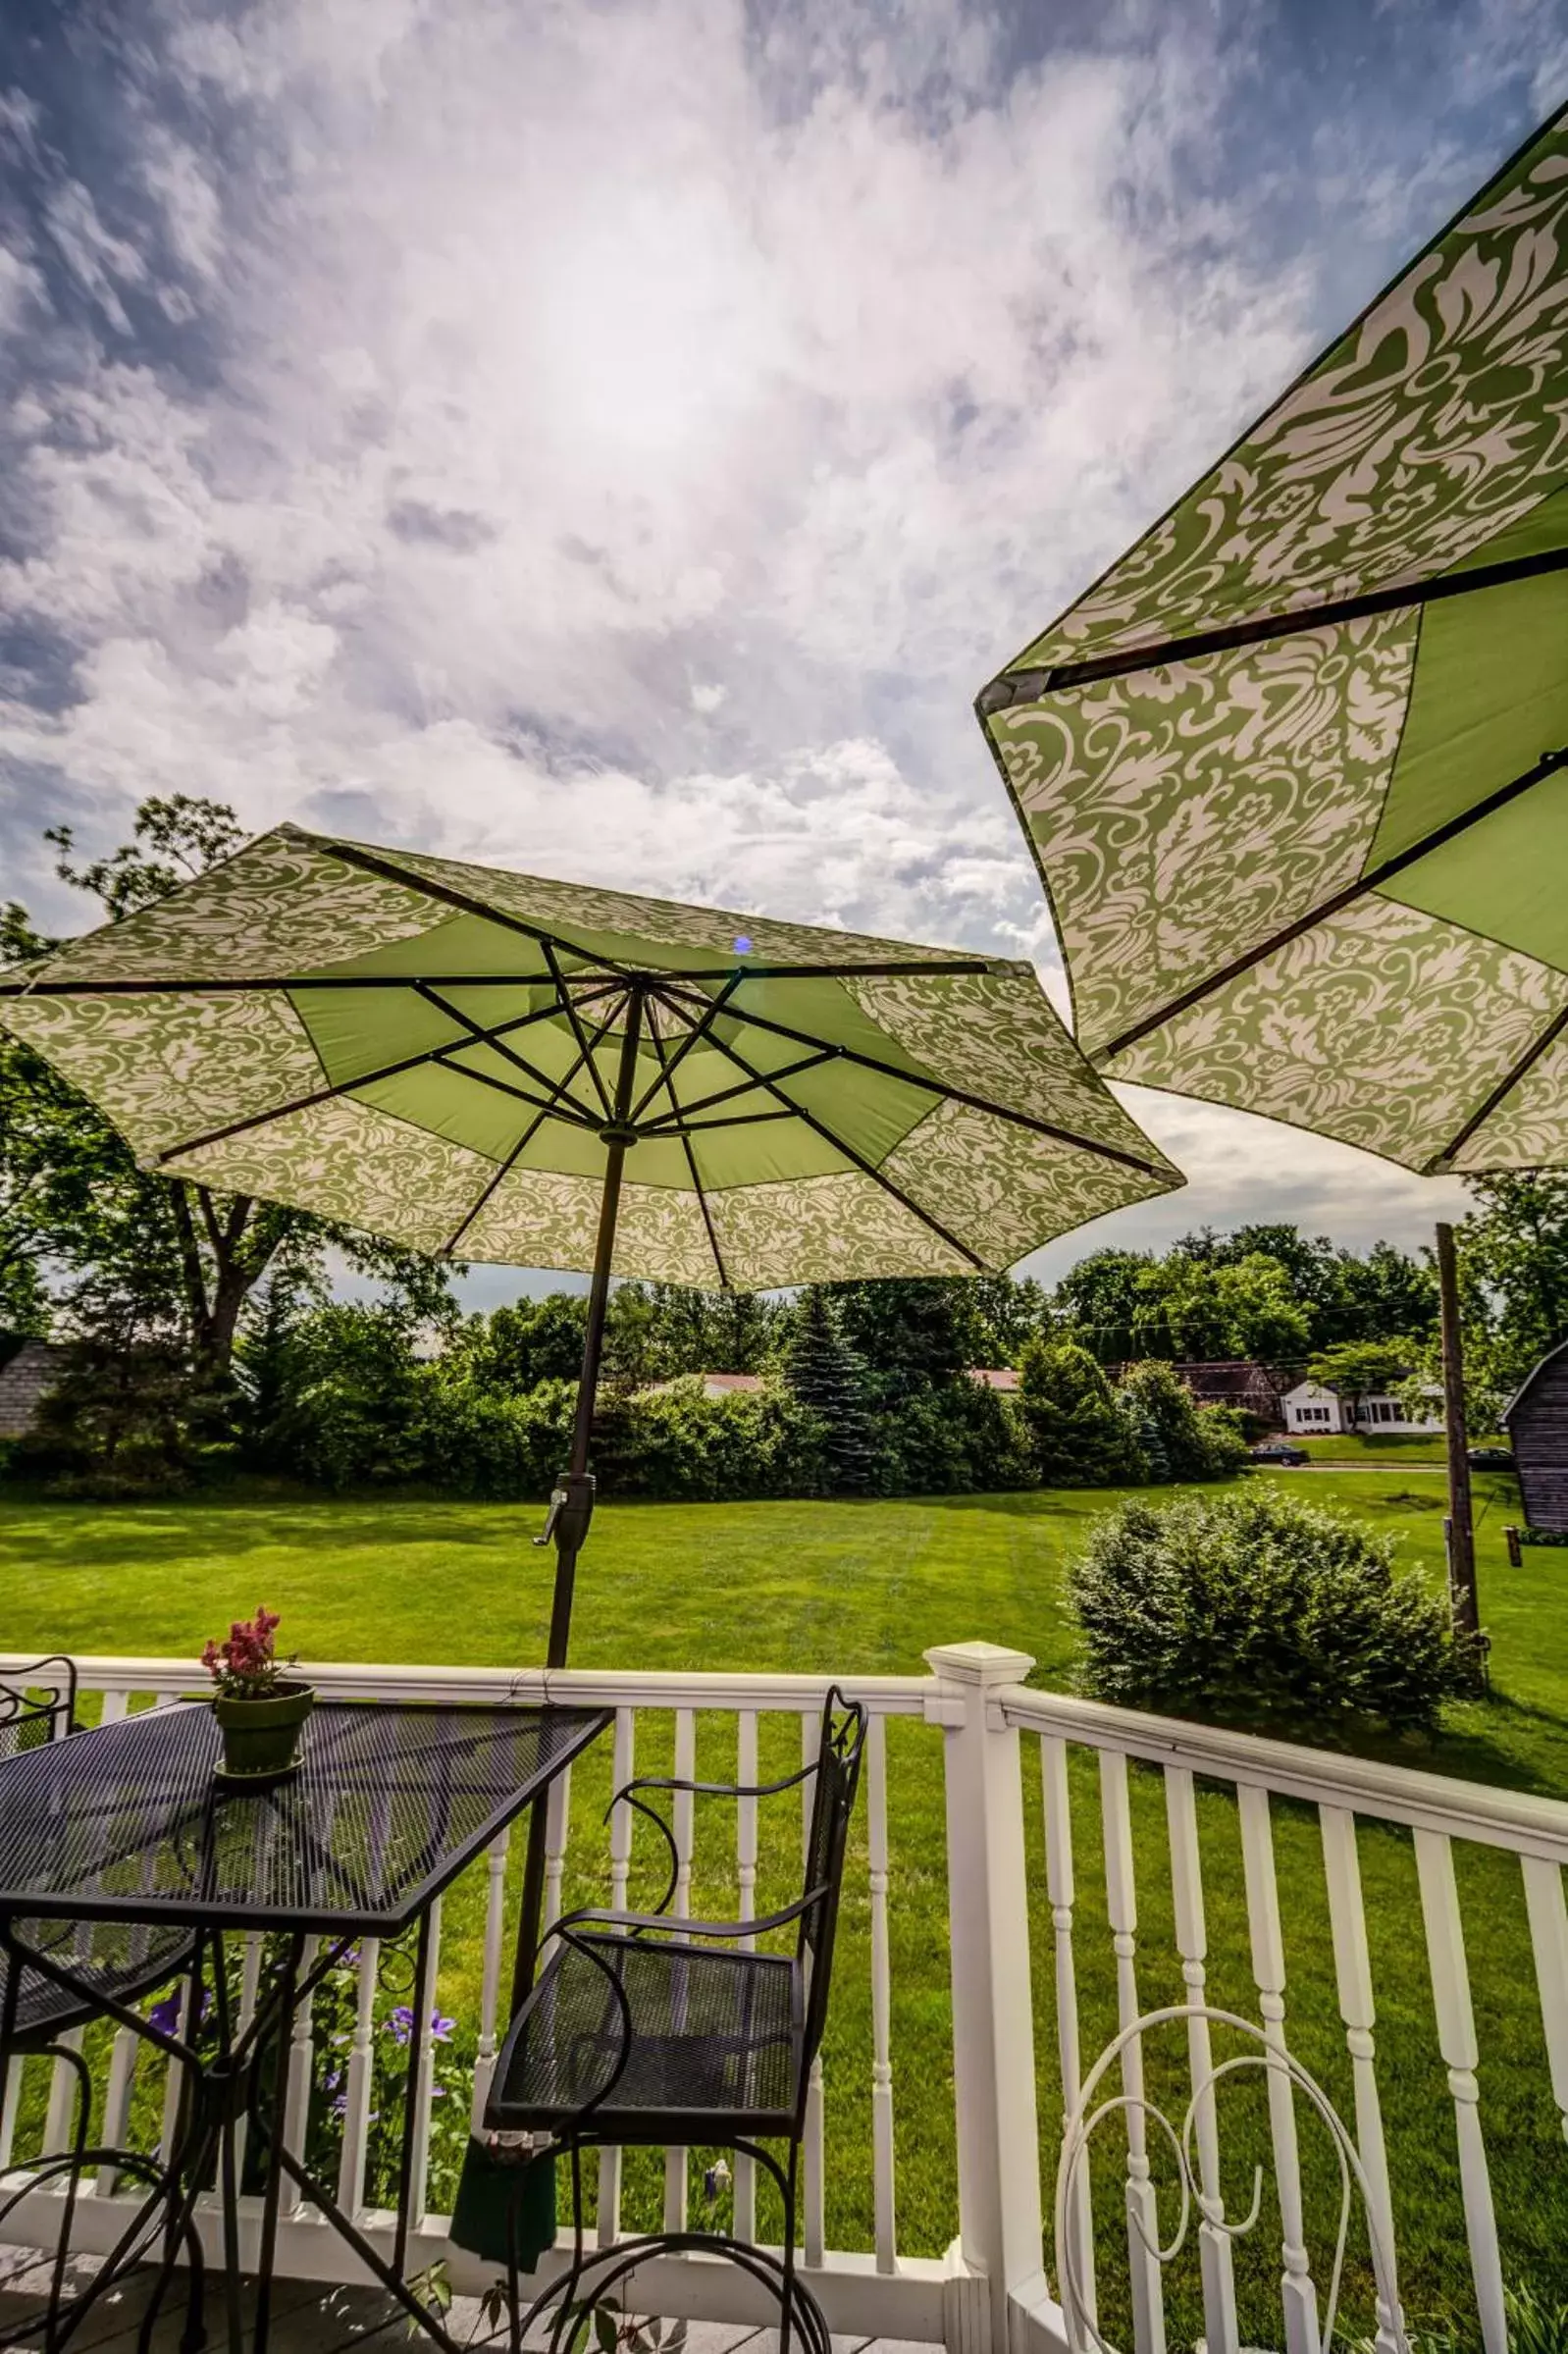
(827, 1374)
(1387, 1293)
(1011, 1310)
(1077, 1437)
(912, 1333)
(1178, 1439)
(1355, 1369)
(1513, 1259)
(1097, 1301)
(532, 1341)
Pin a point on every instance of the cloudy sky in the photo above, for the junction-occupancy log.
(618, 439)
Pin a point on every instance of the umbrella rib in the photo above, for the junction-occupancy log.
(1549, 764)
(1505, 1088)
(866, 1168)
(479, 1035)
(327, 1095)
(696, 1032)
(666, 1070)
(1030, 685)
(449, 1247)
(564, 994)
(960, 1095)
(724, 1096)
(576, 1118)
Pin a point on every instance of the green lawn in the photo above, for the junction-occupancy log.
(1388, 1448)
(869, 1587)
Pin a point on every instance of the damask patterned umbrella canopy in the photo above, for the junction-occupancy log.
(457, 1058)
(1295, 769)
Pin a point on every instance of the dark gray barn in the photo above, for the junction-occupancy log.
(1536, 1422)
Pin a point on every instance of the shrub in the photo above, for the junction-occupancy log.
(681, 1444)
(953, 1440)
(1077, 1436)
(1254, 1606)
(1178, 1439)
(471, 1440)
(348, 1389)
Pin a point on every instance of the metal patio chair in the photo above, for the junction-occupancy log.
(643, 2028)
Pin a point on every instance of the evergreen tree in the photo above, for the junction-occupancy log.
(1077, 1437)
(828, 1375)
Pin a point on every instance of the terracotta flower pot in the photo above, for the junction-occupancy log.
(261, 1736)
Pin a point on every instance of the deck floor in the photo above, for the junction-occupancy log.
(309, 2318)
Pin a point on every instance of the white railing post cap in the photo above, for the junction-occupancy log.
(978, 1663)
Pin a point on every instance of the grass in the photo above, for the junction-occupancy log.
(869, 1586)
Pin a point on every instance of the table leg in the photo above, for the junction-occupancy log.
(417, 2028)
(288, 1996)
(228, 2180)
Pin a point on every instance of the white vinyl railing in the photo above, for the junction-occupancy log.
(1100, 1864)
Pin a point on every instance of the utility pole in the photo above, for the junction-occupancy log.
(1463, 1599)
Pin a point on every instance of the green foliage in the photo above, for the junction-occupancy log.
(912, 1333)
(123, 1421)
(1176, 1438)
(1355, 1368)
(954, 1440)
(680, 1445)
(1077, 1436)
(826, 1375)
(1255, 1607)
(469, 1440)
(537, 1340)
(350, 1396)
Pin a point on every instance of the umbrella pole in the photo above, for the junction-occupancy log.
(572, 1503)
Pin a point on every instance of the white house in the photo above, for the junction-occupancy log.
(1312, 1410)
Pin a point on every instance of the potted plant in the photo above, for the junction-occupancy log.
(260, 1708)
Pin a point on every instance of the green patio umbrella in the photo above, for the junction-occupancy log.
(496, 1066)
(1294, 769)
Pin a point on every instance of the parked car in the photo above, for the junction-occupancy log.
(1489, 1458)
(1279, 1451)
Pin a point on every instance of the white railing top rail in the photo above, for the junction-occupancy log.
(1519, 1819)
(646, 1687)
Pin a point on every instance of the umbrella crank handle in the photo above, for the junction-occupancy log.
(571, 1508)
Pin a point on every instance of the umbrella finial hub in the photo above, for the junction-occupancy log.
(619, 1132)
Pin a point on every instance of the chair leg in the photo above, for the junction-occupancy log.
(785, 2316)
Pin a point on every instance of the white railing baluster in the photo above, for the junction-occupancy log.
(882, 2185)
(1059, 1889)
(675, 2181)
(422, 2090)
(1298, 2295)
(9, 2109)
(557, 1831)
(300, 2062)
(812, 2202)
(1352, 1964)
(63, 2089)
(1221, 2334)
(1548, 1936)
(1456, 2040)
(746, 1773)
(360, 2083)
(620, 1864)
(1143, 2236)
(490, 1981)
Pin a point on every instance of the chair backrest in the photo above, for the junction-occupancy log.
(838, 1774)
(38, 1703)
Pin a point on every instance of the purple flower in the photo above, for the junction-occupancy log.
(164, 2017)
(399, 2024)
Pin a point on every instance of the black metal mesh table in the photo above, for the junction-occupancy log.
(126, 1825)
(391, 1801)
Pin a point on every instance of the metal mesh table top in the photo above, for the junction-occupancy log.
(390, 1801)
